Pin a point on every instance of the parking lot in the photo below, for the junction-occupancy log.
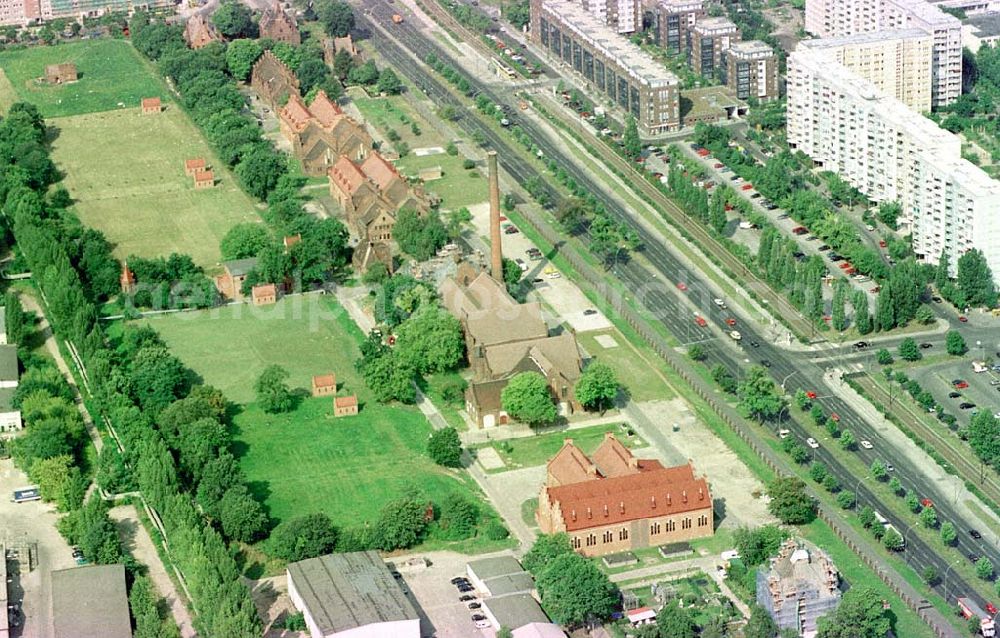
(30, 522)
(438, 598)
(982, 393)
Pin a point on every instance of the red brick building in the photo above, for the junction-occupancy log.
(199, 32)
(345, 406)
(321, 133)
(151, 105)
(272, 80)
(264, 294)
(192, 166)
(127, 279)
(324, 385)
(204, 179)
(613, 502)
(279, 25)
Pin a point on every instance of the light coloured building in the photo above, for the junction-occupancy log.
(898, 63)
(801, 586)
(752, 70)
(673, 20)
(708, 41)
(970, 7)
(983, 29)
(89, 602)
(891, 153)
(838, 18)
(624, 16)
(618, 70)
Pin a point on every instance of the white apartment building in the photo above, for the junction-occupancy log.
(970, 7)
(981, 30)
(838, 18)
(622, 15)
(898, 63)
(889, 152)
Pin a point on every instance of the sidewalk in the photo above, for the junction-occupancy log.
(519, 431)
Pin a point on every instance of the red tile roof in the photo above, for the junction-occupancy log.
(198, 162)
(570, 465)
(325, 110)
(345, 402)
(324, 380)
(379, 170)
(204, 176)
(295, 112)
(346, 175)
(607, 501)
(150, 102)
(264, 290)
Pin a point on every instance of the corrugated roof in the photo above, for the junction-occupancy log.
(346, 591)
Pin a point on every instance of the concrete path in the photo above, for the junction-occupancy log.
(520, 431)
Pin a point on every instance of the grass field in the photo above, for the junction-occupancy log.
(537, 450)
(307, 461)
(110, 71)
(642, 381)
(126, 173)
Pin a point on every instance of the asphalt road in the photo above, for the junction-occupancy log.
(657, 291)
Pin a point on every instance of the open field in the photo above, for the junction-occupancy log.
(126, 173)
(640, 379)
(110, 72)
(538, 450)
(307, 461)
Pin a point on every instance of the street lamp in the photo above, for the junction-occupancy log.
(945, 581)
(857, 486)
(786, 379)
(982, 354)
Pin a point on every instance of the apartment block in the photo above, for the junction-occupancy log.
(19, 12)
(752, 70)
(708, 41)
(980, 30)
(615, 68)
(889, 152)
(898, 63)
(624, 16)
(838, 18)
(970, 7)
(672, 21)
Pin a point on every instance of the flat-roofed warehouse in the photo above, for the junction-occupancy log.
(619, 70)
(90, 602)
(351, 595)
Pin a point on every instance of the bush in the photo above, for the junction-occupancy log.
(494, 530)
(445, 448)
(846, 500)
(468, 164)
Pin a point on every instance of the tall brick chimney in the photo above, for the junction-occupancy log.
(496, 251)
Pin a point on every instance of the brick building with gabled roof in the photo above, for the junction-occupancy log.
(264, 294)
(345, 406)
(151, 105)
(199, 32)
(204, 179)
(272, 80)
(192, 166)
(61, 73)
(278, 25)
(324, 385)
(504, 338)
(613, 502)
(321, 133)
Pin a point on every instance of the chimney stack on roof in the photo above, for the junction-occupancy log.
(496, 252)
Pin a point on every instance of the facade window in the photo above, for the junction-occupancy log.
(608, 536)
(576, 542)
(654, 528)
(702, 521)
(686, 523)
(671, 526)
(591, 540)
(623, 534)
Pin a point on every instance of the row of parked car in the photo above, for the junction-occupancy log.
(468, 595)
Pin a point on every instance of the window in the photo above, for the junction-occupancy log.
(654, 528)
(702, 521)
(608, 536)
(591, 540)
(686, 523)
(671, 526)
(623, 534)
(576, 542)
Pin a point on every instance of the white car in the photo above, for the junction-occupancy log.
(867, 445)
(482, 624)
(720, 303)
(783, 433)
(811, 442)
(735, 336)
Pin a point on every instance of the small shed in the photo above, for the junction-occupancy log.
(264, 294)
(345, 406)
(192, 166)
(291, 240)
(324, 385)
(641, 616)
(204, 179)
(151, 105)
(61, 73)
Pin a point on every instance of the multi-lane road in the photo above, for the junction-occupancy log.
(655, 287)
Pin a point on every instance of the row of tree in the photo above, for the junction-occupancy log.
(131, 387)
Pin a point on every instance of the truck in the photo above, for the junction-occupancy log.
(969, 609)
(25, 494)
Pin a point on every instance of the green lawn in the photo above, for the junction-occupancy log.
(126, 173)
(537, 450)
(307, 461)
(111, 72)
(642, 381)
(457, 188)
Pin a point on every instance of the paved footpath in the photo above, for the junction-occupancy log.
(141, 545)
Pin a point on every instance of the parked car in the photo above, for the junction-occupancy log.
(478, 617)
(720, 303)
(800, 230)
(766, 363)
(482, 624)
(963, 318)
(811, 442)
(954, 395)
(459, 579)
(475, 605)
(466, 598)
(926, 502)
(589, 312)
(925, 345)
(860, 345)
(735, 336)
(754, 344)
(730, 322)
(810, 394)
(681, 286)
(823, 248)
(966, 406)
(783, 433)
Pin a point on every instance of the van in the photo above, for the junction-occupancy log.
(979, 366)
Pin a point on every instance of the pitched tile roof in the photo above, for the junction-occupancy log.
(150, 102)
(345, 402)
(295, 113)
(570, 465)
(346, 175)
(608, 501)
(198, 162)
(614, 459)
(557, 354)
(325, 110)
(264, 290)
(325, 380)
(204, 176)
(379, 170)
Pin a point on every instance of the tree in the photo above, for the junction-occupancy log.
(573, 589)
(240, 56)
(302, 537)
(884, 357)
(630, 139)
(365, 75)
(725, 379)
(955, 343)
(847, 440)
(862, 313)
(975, 281)
(838, 313)
(759, 395)
(760, 625)
(696, 353)
(878, 469)
(984, 568)
(892, 540)
(860, 614)
(16, 321)
(846, 500)
(572, 212)
(913, 503)
(388, 82)
(60, 482)
(401, 524)
(505, 632)
(928, 517)
(929, 574)
(259, 169)
(430, 340)
(867, 517)
(984, 436)
(948, 533)
(244, 240)
(547, 547)
(675, 621)
(143, 602)
(234, 20)
(790, 502)
(756, 544)
(337, 17)
(802, 400)
(273, 394)
(389, 378)
(896, 486)
(527, 398)
(717, 211)
(242, 516)
(597, 387)
(459, 516)
(909, 350)
(419, 236)
(445, 448)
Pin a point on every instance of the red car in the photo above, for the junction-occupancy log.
(961, 385)
(926, 502)
(703, 152)
(963, 318)
(717, 165)
(681, 286)
(746, 187)
(800, 230)
(991, 609)
(811, 394)
(835, 417)
(881, 243)
(731, 322)
(700, 321)
(844, 265)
